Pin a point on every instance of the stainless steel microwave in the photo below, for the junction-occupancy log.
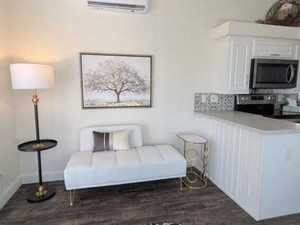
(273, 73)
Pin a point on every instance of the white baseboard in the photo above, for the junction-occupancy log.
(10, 191)
(47, 177)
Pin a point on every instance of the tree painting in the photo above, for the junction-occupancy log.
(115, 76)
(116, 81)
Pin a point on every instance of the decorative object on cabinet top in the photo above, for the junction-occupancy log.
(210, 102)
(283, 12)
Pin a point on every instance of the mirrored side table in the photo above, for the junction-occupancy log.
(195, 179)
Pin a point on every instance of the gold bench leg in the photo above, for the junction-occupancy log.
(181, 184)
(72, 197)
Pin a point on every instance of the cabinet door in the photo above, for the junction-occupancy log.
(239, 65)
(275, 48)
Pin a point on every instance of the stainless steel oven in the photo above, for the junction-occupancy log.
(264, 105)
(257, 104)
(273, 73)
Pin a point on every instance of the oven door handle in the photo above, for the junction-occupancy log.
(290, 71)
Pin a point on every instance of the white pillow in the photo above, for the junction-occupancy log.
(120, 140)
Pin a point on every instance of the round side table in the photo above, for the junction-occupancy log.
(41, 194)
(195, 179)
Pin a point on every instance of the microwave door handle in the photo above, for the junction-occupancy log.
(288, 74)
(291, 68)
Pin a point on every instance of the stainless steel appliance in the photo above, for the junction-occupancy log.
(258, 104)
(273, 73)
(264, 105)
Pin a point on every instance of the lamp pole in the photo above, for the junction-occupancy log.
(35, 101)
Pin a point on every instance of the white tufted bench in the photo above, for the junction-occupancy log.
(142, 163)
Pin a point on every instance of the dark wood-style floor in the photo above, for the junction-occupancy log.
(134, 204)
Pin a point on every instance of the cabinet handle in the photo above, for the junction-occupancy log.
(292, 74)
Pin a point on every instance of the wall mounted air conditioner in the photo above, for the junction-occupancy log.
(128, 6)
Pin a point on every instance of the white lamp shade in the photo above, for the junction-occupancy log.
(31, 76)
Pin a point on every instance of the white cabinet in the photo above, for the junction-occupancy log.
(233, 72)
(275, 48)
(239, 63)
(233, 55)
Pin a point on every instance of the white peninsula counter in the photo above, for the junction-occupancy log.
(255, 122)
(255, 161)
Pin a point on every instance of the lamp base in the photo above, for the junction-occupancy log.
(41, 195)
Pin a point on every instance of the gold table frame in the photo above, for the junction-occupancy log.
(195, 179)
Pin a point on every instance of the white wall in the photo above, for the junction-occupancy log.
(175, 32)
(9, 156)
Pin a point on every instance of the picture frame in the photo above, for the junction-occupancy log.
(116, 81)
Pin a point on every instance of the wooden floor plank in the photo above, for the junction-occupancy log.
(133, 204)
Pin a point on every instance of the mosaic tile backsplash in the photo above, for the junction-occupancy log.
(210, 102)
(206, 102)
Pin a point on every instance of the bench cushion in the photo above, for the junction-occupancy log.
(86, 169)
(87, 137)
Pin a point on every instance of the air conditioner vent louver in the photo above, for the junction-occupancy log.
(119, 5)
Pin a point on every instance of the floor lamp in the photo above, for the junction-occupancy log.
(35, 77)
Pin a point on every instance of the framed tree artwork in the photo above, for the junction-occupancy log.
(115, 81)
